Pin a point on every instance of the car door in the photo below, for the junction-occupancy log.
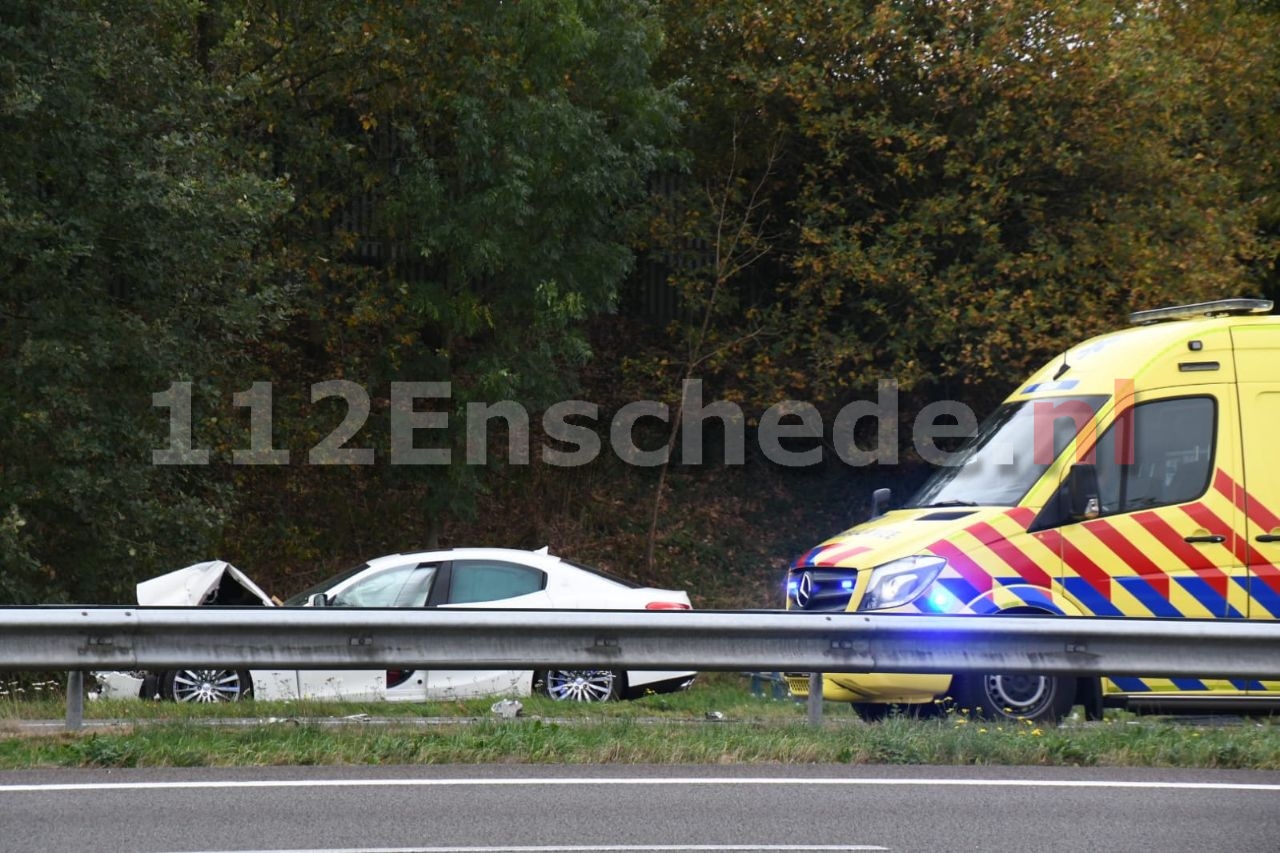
(486, 583)
(1165, 541)
(405, 585)
(1259, 498)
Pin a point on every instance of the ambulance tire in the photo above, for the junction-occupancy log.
(874, 712)
(1038, 698)
(1089, 697)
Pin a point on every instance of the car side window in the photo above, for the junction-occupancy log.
(490, 580)
(402, 586)
(1164, 455)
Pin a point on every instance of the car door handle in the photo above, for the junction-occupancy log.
(1213, 540)
(1267, 537)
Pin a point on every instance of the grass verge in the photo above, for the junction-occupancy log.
(601, 741)
(680, 728)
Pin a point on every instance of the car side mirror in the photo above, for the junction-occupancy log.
(318, 599)
(1082, 492)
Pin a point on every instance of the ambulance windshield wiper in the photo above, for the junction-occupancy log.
(949, 503)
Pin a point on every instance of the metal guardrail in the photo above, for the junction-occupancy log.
(129, 638)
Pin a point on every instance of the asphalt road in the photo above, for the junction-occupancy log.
(557, 809)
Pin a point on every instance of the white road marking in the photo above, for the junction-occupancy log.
(671, 781)
(595, 848)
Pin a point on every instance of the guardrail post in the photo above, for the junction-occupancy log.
(75, 700)
(815, 698)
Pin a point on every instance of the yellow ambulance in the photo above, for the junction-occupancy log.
(1136, 474)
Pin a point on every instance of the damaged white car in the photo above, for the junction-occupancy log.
(491, 577)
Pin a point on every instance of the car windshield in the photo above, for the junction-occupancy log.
(300, 600)
(1010, 451)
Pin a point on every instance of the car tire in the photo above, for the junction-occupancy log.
(1037, 698)
(206, 685)
(580, 685)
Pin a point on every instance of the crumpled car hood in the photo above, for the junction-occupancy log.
(212, 582)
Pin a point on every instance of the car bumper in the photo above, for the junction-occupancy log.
(647, 683)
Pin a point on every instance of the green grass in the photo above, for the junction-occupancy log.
(625, 741)
(670, 729)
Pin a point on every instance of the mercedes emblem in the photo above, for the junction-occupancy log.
(804, 590)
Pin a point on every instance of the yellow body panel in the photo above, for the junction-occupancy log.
(889, 688)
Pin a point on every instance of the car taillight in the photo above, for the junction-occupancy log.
(667, 605)
(396, 677)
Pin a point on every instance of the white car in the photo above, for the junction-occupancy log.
(487, 577)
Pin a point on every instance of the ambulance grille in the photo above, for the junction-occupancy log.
(798, 685)
(821, 589)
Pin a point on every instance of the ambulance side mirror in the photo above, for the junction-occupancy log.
(1082, 492)
(880, 502)
(318, 599)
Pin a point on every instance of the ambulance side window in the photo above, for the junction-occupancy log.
(1160, 453)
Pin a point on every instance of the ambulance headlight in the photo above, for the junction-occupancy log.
(900, 581)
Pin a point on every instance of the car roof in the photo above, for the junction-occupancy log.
(539, 557)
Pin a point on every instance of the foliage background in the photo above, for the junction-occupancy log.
(573, 199)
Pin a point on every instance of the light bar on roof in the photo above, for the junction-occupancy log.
(1217, 308)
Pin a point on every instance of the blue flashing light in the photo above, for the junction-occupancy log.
(846, 584)
(940, 600)
(792, 586)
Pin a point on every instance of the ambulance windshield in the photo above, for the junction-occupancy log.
(1009, 452)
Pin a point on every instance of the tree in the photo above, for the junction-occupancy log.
(1235, 51)
(715, 234)
(999, 180)
(128, 254)
(976, 185)
(469, 176)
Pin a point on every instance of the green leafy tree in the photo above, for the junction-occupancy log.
(469, 176)
(1235, 49)
(1003, 179)
(974, 185)
(128, 228)
(955, 190)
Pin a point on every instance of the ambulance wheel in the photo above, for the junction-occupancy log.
(871, 712)
(1039, 698)
(874, 712)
